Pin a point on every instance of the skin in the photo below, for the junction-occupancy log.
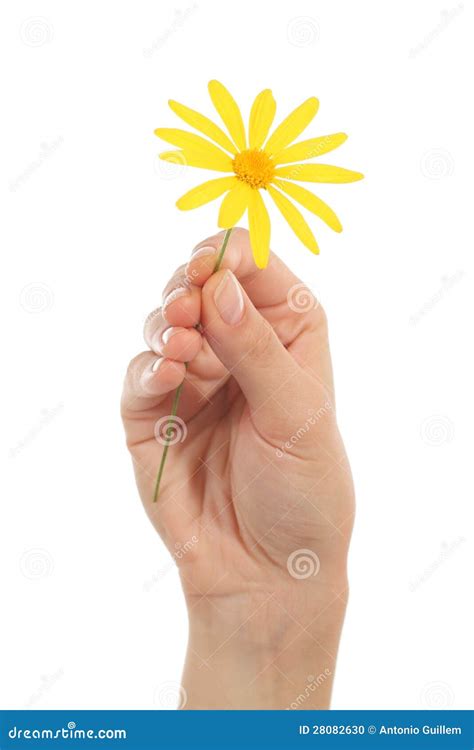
(260, 483)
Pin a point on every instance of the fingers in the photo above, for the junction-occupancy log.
(173, 342)
(265, 287)
(284, 301)
(149, 380)
(271, 380)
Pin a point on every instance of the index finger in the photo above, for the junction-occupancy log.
(265, 287)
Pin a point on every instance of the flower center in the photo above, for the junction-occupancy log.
(254, 167)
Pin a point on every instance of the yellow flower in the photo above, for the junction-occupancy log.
(257, 163)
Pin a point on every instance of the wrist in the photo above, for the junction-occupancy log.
(271, 650)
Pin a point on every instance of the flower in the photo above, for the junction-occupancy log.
(256, 163)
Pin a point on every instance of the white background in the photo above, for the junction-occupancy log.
(91, 235)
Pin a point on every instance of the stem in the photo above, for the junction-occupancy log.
(222, 251)
(174, 407)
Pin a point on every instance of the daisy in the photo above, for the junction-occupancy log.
(256, 162)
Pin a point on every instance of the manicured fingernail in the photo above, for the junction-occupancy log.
(157, 364)
(166, 335)
(207, 250)
(229, 300)
(180, 291)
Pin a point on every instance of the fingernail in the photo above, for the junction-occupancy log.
(180, 291)
(203, 251)
(229, 300)
(166, 335)
(156, 364)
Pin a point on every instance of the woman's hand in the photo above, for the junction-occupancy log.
(256, 502)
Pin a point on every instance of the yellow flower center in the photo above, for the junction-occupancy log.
(254, 167)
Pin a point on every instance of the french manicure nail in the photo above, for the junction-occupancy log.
(180, 291)
(203, 252)
(156, 364)
(229, 300)
(168, 333)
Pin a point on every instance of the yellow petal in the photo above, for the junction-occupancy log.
(185, 140)
(318, 173)
(234, 204)
(259, 229)
(292, 126)
(205, 193)
(261, 118)
(295, 220)
(311, 202)
(310, 149)
(229, 112)
(193, 158)
(203, 124)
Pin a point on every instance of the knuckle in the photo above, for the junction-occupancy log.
(318, 319)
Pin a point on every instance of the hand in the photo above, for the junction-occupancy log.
(256, 503)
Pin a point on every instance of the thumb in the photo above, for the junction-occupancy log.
(247, 345)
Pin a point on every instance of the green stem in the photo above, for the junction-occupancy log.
(174, 407)
(222, 250)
